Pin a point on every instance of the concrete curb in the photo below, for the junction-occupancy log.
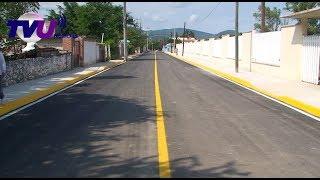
(32, 97)
(310, 109)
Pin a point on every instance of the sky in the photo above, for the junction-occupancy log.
(165, 15)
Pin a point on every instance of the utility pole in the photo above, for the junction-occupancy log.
(124, 32)
(174, 39)
(164, 42)
(147, 40)
(141, 32)
(109, 52)
(263, 17)
(170, 41)
(102, 38)
(236, 38)
(184, 31)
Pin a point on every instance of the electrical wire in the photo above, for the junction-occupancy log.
(209, 13)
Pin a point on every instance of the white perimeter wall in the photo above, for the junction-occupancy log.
(266, 47)
(277, 53)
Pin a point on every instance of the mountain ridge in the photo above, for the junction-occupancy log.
(165, 33)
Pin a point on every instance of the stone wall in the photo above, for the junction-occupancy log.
(31, 68)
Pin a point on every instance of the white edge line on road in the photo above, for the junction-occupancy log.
(291, 107)
(52, 94)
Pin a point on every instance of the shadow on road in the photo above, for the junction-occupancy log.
(77, 133)
(72, 134)
(191, 167)
(112, 77)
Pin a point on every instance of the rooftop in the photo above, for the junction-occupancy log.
(309, 13)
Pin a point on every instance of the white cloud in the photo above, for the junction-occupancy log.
(172, 13)
(158, 18)
(179, 4)
(50, 5)
(193, 18)
(46, 6)
(146, 13)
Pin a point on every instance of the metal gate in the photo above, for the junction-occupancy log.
(310, 59)
(76, 54)
(102, 53)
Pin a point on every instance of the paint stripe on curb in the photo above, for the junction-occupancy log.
(25, 100)
(310, 109)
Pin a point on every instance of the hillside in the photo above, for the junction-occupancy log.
(165, 33)
(231, 32)
(160, 34)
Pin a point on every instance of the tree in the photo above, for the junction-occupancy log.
(157, 45)
(313, 24)
(178, 40)
(94, 18)
(188, 33)
(136, 37)
(52, 14)
(300, 6)
(70, 12)
(13, 10)
(272, 19)
(263, 16)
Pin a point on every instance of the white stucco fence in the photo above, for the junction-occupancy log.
(287, 53)
(266, 47)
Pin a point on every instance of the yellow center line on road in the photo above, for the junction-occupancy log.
(164, 165)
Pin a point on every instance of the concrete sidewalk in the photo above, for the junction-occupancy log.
(301, 95)
(21, 94)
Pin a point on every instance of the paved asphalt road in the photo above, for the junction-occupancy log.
(105, 127)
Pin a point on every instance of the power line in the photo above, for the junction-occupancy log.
(210, 13)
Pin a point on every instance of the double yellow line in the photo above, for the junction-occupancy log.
(164, 165)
